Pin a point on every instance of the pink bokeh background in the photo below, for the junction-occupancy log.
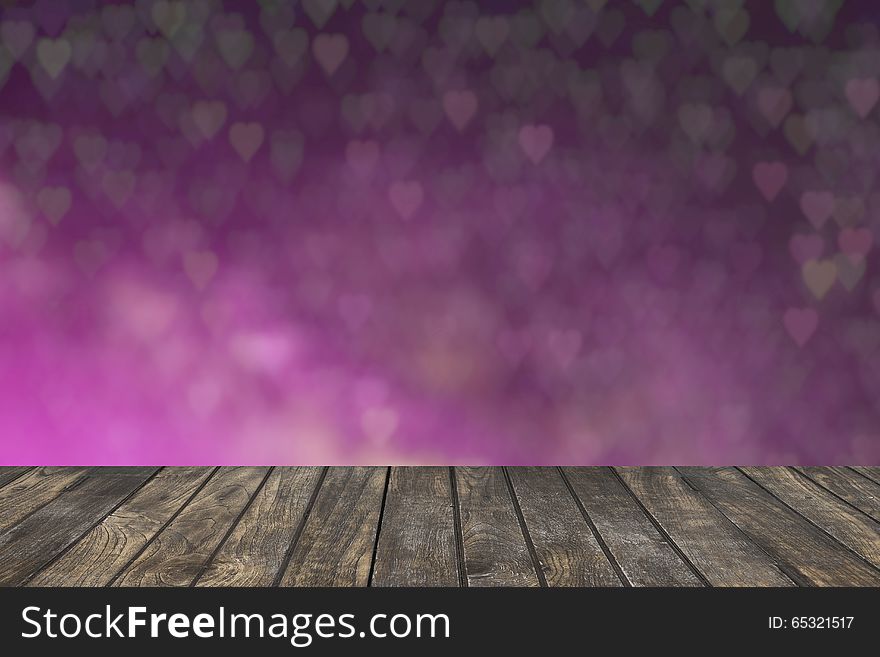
(463, 245)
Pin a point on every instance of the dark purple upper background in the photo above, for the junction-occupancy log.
(382, 231)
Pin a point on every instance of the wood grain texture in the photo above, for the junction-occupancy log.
(644, 555)
(417, 544)
(872, 473)
(35, 541)
(474, 526)
(336, 545)
(178, 552)
(846, 524)
(495, 550)
(567, 550)
(789, 538)
(710, 541)
(10, 473)
(849, 485)
(33, 489)
(109, 546)
(255, 550)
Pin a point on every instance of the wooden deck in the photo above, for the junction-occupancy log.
(439, 526)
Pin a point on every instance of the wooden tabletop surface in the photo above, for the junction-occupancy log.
(439, 526)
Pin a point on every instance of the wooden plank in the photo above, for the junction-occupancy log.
(32, 543)
(33, 489)
(567, 550)
(859, 491)
(110, 545)
(495, 550)
(255, 551)
(714, 545)
(9, 474)
(872, 473)
(336, 545)
(417, 545)
(178, 552)
(791, 540)
(846, 524)
(643, 554)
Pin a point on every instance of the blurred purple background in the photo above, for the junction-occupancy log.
(379, 231)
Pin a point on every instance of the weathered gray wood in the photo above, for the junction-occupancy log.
(846, 524)
(714, 545)
(255, 550)
(104, 550)
(10, 473)
(495, 550)
(859, 491)
(33, 489)
(179, 551)
(565, 545)
(872, 473)
(336, 545)
(642, 553)
(37, 539)
(782, 533)
(417, 538)
(253, 526)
